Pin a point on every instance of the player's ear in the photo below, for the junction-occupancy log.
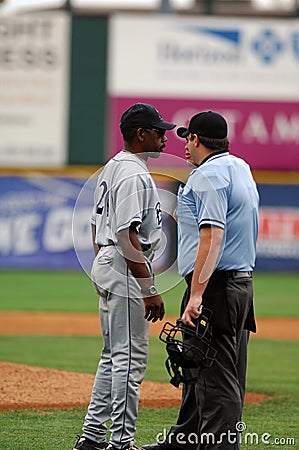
(140, 134)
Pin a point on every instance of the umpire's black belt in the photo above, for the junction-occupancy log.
(229, 274)
(236, 274)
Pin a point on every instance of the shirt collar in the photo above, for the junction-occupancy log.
(214, 155)
(135, 156)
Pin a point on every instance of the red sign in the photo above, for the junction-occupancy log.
(264, 133)
(279, 224)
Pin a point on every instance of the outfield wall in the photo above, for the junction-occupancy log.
(45, 222)
(65, 81)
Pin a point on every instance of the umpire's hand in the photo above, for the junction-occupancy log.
(154, 308)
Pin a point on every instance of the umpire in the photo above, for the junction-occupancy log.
(217, 231)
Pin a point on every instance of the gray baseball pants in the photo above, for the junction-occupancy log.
(123, 361)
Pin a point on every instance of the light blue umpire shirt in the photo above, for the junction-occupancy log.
(223, 193)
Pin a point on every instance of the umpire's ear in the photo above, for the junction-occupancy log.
(196, 139)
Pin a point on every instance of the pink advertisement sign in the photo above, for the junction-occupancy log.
(264, 133)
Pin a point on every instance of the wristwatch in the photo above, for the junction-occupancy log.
(151, 290)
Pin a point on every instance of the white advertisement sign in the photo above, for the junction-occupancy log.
(204, 57)
(34, 80)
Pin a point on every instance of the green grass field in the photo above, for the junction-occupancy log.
(275, 295)
(273, 366)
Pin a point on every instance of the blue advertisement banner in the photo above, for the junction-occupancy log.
(36, 215)
(45, 224)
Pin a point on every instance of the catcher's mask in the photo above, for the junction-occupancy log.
(188, 348)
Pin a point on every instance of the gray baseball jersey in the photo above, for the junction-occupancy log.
(126, 194)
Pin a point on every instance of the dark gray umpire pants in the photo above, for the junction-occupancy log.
(212, 406)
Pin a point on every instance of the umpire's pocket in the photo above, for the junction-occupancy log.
(239, 298)
(215, 298)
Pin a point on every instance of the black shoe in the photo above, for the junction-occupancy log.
(128, 446)
(159, 446)
(86, 444)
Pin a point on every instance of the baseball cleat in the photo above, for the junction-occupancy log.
(128, 446)
(84, 444)
(159, 446)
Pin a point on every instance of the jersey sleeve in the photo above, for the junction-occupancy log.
(93, 216)
(130, 202)
(210, 193)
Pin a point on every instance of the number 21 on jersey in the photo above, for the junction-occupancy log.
(103, 188)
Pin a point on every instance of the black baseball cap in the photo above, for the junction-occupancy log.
(206, 124)
(144, 115)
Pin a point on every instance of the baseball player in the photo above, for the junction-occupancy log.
(126, 228)
(217, 231)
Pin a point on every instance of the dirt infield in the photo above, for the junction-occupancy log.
(34, 387)
(87, 324)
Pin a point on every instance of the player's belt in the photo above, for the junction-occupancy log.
(144, 247)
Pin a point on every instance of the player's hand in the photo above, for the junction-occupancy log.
(154, 308)
(192, 311)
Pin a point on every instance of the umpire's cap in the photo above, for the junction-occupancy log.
(206, 124)
(143, 115)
